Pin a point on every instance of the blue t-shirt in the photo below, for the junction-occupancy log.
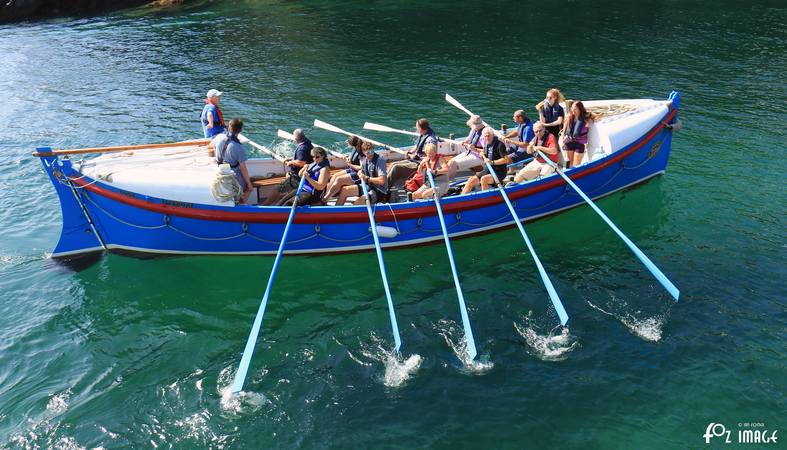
(217, 128)
(525, 131)
(233, 153)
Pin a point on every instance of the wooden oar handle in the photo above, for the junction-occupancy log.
(196, 142)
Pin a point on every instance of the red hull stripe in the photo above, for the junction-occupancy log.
(383, 215)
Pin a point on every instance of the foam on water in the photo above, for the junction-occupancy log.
(649, 328)
(552, 346)
(455, 339)
(398, 369)
(241, 403)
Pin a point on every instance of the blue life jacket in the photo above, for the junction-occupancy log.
(551, 113)
(420, 143)
(475, 136)
(496, 150)
(218, 121)
(313, 172)
(526, 131)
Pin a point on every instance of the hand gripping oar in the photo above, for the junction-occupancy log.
(373, 225)
(243, 367)
(385, 129)
(645, 260)
(290, 137)
(329, 127)
(471, 351)
(243, 139)
(561, 312)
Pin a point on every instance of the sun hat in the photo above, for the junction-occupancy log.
(475, 121)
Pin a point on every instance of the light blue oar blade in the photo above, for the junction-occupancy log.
(381, 262)
(469, 340)
(671, 288)
(243, 367)
(561, 311)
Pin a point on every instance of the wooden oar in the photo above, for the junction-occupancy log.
(471, 351)
(335, 129)
(385, 129)
(243, 139)
(668, 285)
(378, 249)
(290, 137)
(561, 311)
(124, 148)
(243, 367)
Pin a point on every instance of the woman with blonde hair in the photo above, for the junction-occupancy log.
(550, 112)
(435, 163)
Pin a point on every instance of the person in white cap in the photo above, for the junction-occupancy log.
(211, 117)
(474, 143)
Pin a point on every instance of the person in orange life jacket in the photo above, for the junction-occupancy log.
(473, 143)
(316, 175)
(546, 143)
(550, 112)
(230, 151)
(519, 138)
(496, 154)
(575, 133)
(301, 157)
(398, 171)
(211, 117)
(435, 163)
(374, 174)
(350, 175)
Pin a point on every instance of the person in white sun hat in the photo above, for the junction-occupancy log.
(211, 117)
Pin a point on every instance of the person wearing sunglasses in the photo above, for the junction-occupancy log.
(316, 175)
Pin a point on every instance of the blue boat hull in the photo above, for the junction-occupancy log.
(97, 216)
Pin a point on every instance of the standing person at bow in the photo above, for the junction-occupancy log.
(435, 163)
(474, 142)
(546, 143)
(495, 153)
(230, 151)
(374, 174)
(301, 157)
(550, 112)
(350, 174)
(316, 175)
(211, 117)
(575, 133)
(519, 138)
(399, 171)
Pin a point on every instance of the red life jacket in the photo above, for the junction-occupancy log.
(548, 141)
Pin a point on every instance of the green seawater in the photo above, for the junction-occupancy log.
(134, 353)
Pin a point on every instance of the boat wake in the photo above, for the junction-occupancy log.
(552, 346)
(398, 369)
(455, 339)
(241, 403)
(649, 328)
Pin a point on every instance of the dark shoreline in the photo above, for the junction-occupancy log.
(20, 10)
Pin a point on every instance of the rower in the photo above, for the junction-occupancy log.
(350, 174)
(546, 143)
(374, 174)
(401, 170)
(230, 151)
(211, 117)
(435, 163)
(519, 138)
(316, 175)
(495, 154)
(474, 142)
(301, 157)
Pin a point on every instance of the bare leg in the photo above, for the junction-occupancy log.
(486, 181)
(570, 158)
(338, 182)
(472, 182)
(347, 191)
(577, 159)
(273, 198)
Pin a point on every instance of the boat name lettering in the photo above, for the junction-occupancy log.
(177, 203)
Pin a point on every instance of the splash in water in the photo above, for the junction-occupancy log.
(455, 339)
(552, 346)
(241, 403)
(648, 329)
(397, 368)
